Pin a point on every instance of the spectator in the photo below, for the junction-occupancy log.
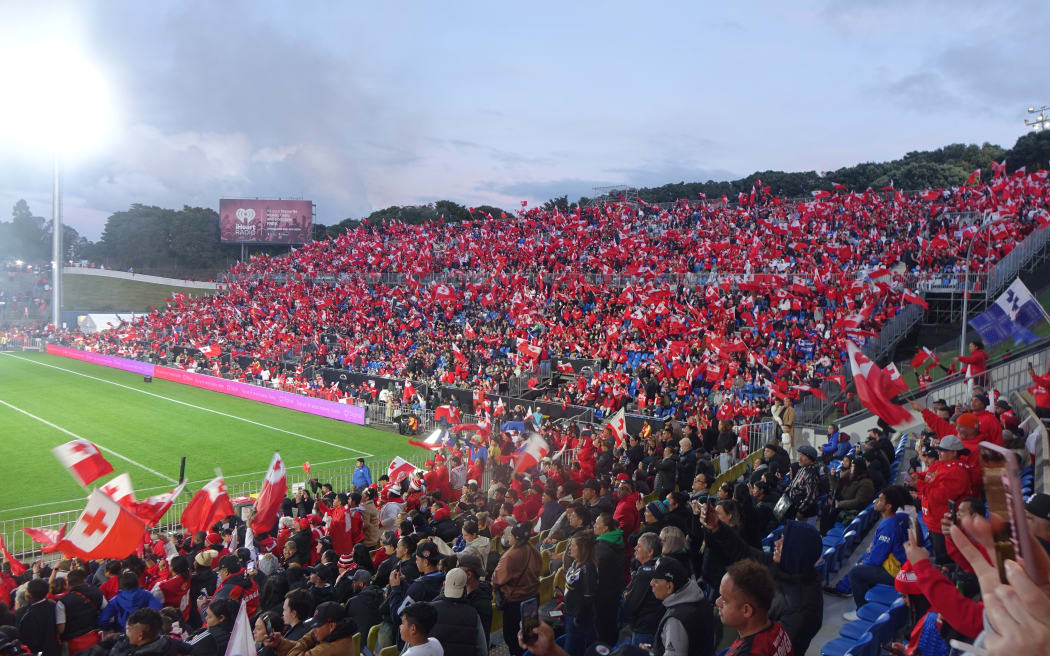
(686, 627)
(332, 634)
(517, 578)
(130, 598)
(81, 606)
(260, 633)
(475, 543)
(363, 605)
(144, 635)
(745, 596)
(298, 609)
(610, 558)
(581, 590)
(425, 588)
(804, 490)
(641, 609)
(458, 627)
(948, 479)
(417, 622)
(39, 623)
(362, 477)
(886, 553)
(479, 591)
(219, 617)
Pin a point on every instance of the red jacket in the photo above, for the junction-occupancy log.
(942, 482)
(978, 361)
(963, 614)
(176, 593)
(626, 513)
(1041, 390)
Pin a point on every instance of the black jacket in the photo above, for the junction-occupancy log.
(37, 628)
(640, 607)
(364, 606)
(481, 600)
(581, 586)
(458, 627)
(211, 641)
(686, 469)
(426, 588)
(162, 646)
(81, 611)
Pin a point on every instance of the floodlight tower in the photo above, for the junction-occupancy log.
(1041, 121)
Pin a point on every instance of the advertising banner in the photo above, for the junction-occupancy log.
(338, 411)
(251, 221)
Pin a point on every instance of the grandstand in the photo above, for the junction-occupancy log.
(615, 354)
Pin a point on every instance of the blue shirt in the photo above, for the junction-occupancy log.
(362, 477)
(889, 539)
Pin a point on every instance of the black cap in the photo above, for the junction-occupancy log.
(326, 572)
(670, 569)
(429, 551)
(390, 539)
(1039, 505)
(329, 611)
(593, 484)
(231, 563)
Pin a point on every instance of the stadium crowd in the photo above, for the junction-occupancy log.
(700, 307)
(637, 544)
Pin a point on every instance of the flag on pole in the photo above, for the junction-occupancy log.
(104, 530)
(924, 355)
(83, 460)
(268, 503)
(399, 468)
(17, 568)
(119, 489)
(209, 505)
(1012, 316)
(241, 641)
(535, 448)
(152, 509)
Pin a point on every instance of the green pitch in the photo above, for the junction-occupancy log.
(144, 429)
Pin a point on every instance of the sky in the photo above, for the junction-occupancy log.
(359, 106)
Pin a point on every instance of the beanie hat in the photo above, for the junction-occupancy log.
(657, 508)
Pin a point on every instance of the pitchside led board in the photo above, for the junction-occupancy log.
(253, 221)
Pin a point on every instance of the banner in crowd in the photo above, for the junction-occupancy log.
(310, 405)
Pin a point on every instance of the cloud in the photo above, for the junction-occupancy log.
(923, 91)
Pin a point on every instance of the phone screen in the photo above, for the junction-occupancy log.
(530, 618)
(268, 625)
(1002, 486)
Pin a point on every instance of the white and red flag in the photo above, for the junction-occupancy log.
(152, 509)
(564, 367)
(468, 332)
(268, 503)
(815, 391)
(618, 425)
(896, 378)
(104, 530)
(535, 448)
(911, 297)
(458, 354)
(83, 460)
(210, 350)
(875, 388)
(119, 489)
(399, 468)
(925, 355)
(209, 505)
(47, 538)
(17, 568)
(528, 349)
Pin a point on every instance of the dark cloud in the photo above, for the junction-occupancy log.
(924, 91)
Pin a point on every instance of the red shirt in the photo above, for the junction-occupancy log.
(773, 641)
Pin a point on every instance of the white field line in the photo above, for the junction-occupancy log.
(165, 487)
(190, 405)
(78, 437)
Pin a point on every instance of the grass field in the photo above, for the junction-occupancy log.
(144, 428)
(115, 294)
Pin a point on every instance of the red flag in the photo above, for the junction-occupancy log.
(210, 351)
(839, 186)
(47, 538)
(875, 389)
(152, 509)
(896, 378)
(119, 489)
(815, 391)
(931, 195)
(468, 332)
(922, 356)
(306, 466)
(618, 425)
(17, 568)
(209, 505)
(974, 177)
(821, 194)
(530, 350)
(912, 297)
(565, 368)
(399, 468)
(83, 460)
(838, 378)
(268, 503)
(104, 530)
(535, 448)
(458, 355)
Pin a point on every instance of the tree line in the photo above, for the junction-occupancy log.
(185, 243)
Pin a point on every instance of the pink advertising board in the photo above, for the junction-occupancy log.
(338, 411)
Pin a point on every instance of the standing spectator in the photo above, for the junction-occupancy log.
(687, 625)
(666, 473)
(611, 559)
(458, 626)
(745, 597)
(627, 508)
(948, 479)
(81, 606)
(517, 577)
(425, 588)
(362, 477)
(686, 464)
(804, 490)
(581, 588)
(370, 518)
(976, 363)
(39, 623)
(641, 608)
(886, 553)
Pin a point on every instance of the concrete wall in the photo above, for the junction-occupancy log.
(137, 277)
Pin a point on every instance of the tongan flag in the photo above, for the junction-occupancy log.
(272, 494)
(47, 538)
(618, 425)
(399, 468)
(83, 460)
(104, 530)
(924, 355)
(896, 378)
(17, 568)
(209, 505)
(119, 489)
(875, 389)
(911, 297)
(152, 509)
(535, 448)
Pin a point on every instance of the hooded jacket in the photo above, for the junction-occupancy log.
(687, 626)
(799, 601)
(338, 643)
(610, 555)
(627, 513)
(125, 603)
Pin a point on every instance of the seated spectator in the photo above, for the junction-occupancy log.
(746, 594)
(886, 553)
(417, 621)
(332, 633)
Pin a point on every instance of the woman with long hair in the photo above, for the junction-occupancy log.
(581, 585)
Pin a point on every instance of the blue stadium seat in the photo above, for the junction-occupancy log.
(871, 611)
(864, 646)
(831, 564)
(899, 615)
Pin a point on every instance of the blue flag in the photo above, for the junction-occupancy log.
(993, 325)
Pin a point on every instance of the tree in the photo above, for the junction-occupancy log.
(28, 238)
(1031, 151)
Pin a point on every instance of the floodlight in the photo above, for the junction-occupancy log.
(1031, 110)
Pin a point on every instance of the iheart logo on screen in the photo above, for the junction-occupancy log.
(245, 215)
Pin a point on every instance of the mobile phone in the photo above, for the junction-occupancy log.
(952, 511)
(530, 619)
(556, 613)
(914, 521)
(1002, 488)
(268, 625)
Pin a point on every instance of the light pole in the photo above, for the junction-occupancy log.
(966, 288)
(1040, 122)
(56, 249)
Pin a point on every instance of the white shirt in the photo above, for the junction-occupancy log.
(431, 648)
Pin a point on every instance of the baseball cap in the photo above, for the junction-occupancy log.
(428, 551)
(390, 539)
(471, 562)
(950, 443)
(983, 398)
(362, 576)
(808, 451)
(230, 563)
(329, 611)
(669, 569)
(455, 583)
(968, 420)
(325, 572)
(1039, 505)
